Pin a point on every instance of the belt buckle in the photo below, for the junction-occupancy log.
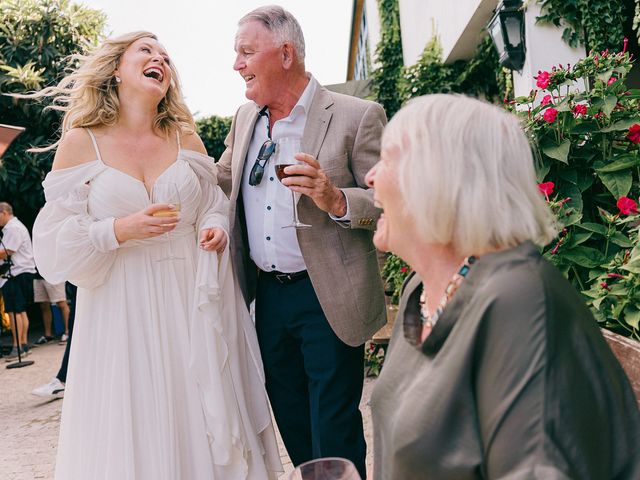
(283, 277)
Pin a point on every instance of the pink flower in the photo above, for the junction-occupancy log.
(546, 188)
(542, 80)
(546, 100)
(604, 285)
(580, 109)
(611, 80)
(627, 206)
(550, 115)
(634, 133)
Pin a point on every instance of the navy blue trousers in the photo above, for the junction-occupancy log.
(313, 379)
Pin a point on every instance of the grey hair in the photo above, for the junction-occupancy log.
(467, 175)
(6, 207)
(281, 23)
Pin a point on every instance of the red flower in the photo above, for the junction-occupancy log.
(542, 80)
(546, 100)
(404, 269)
(627, 206)
(580, 109)
(634, 133)
(550, 115)
(604, 285)
(546, 188)
(611, 80)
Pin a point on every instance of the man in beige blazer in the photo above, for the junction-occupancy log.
(318, 290)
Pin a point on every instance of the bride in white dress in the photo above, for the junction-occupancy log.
(165, 380)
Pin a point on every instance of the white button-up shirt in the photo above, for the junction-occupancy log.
(16, 238)
(268, 206)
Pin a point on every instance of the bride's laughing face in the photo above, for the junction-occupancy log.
(145, 68)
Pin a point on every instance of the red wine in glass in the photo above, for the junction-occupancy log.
(285, 157)
(280, 171)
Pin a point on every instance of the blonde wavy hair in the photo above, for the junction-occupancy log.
(88, 95)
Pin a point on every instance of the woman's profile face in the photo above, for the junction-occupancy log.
(383, 178)
(144, 69)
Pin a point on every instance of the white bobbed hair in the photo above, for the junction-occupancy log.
(467, 175)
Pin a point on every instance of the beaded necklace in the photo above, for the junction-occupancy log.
(428, 320)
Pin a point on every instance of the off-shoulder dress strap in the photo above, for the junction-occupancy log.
(95, 143)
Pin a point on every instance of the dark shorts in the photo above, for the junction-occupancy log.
(18, 293)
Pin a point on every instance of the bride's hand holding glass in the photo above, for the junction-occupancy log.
(147, 223)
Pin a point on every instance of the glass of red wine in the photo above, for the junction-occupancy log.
(285, 156)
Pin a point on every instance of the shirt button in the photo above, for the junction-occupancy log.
(268, 207)
(271, 179)
(273, 266)
(268, 238)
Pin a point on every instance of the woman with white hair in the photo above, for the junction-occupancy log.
(496, 368)
(165, 379)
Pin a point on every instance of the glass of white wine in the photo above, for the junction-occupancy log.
(330, 468)
(167, 193)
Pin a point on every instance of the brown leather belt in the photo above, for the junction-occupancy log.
(286, 278)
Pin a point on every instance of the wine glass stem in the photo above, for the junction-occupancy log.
(295, 208)
(169, 245)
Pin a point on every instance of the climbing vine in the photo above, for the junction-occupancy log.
(597, 24)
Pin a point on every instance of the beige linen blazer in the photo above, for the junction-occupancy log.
(343, 134)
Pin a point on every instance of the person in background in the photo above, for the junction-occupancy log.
(496, 368)
(45, 294)
(318, 291)
(18, 288)
(55, 387)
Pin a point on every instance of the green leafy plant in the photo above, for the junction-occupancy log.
(385, 79)
(213, 130)
(374, 359)
(394, 273)
(36, 36)
(480, 76)
(597, 24)
(584, 126)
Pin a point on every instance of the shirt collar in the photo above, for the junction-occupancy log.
(304, 102)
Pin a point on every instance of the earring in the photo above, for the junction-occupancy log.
(118, 79)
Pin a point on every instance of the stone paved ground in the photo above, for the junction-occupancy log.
(29, 424)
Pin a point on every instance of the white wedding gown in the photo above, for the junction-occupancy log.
(165, 380)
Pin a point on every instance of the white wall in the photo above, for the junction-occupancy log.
(545, 48)
(458, 23)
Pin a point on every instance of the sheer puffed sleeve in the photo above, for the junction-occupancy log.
(68, 243)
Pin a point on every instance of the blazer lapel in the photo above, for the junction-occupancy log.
(240, 153)
(318, 120)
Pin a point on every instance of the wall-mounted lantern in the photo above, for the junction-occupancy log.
(507, 31)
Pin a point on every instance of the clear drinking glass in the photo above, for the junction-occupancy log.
(285, 155)
(166, 192)
(330, 468)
